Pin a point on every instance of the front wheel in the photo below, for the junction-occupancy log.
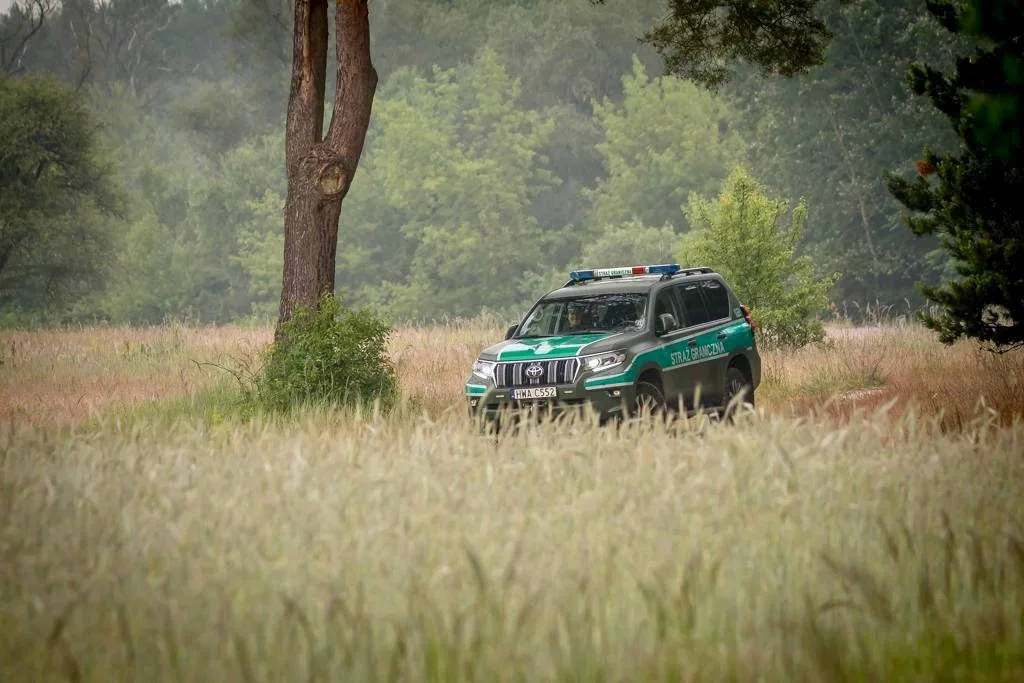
(736, 384)
(649, 399)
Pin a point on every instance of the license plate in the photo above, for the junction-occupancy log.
(533, 392)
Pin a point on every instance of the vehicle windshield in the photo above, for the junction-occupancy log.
(585, 314)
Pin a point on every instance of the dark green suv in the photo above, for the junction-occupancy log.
(622, 340)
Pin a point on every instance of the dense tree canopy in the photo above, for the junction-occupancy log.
(831, 134)
(969, 198)
(701, 40)
(587, 153)
(55, 194)
(667, 139)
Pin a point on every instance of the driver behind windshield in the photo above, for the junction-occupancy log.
(598, 314)
(576, 320)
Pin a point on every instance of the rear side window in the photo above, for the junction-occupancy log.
(694, 310)
(717, 299)
(734, 305)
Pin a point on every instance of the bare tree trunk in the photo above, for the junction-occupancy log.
(320, 169)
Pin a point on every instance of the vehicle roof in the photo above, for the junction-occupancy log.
(635, 284)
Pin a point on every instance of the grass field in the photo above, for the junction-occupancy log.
(864, 524)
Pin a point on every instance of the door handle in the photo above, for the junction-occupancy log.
(722, 335)
(692, 342)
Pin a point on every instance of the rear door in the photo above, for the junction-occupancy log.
(716, 301)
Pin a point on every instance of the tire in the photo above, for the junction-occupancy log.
(648, 397)
(736, 382)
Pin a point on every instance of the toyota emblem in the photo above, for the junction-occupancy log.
(535, 371)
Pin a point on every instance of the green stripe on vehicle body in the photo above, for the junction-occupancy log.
(678, 353)
(549, 348)
(475, 390)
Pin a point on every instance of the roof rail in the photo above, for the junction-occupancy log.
(699, 270)
(684, 272)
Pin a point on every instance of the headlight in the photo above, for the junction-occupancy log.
(604, 361)
(483, 369)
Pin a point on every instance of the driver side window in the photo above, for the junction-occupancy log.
(665, 303)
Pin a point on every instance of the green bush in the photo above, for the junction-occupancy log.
(739, 235)
(331, 356)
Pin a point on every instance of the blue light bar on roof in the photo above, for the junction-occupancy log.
(621, 271)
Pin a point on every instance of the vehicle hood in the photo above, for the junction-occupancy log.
(549, 348)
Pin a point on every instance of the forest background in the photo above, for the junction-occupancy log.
(510, 143)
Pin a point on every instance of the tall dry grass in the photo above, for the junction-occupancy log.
(904, 367)
(67, 375)
(64, 376)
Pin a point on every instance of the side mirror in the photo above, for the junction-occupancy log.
(510, 331)
(665, 323)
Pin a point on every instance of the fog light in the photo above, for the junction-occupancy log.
(473, 402)
(615, 393)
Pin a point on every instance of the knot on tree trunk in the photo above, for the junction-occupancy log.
(331, 179)
(329, 172)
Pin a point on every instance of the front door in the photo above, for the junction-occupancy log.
(696, 348)
(673, 375)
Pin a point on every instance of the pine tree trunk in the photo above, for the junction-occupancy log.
(320, 168)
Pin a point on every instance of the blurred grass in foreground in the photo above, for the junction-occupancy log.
(348, 547)
(865, 524)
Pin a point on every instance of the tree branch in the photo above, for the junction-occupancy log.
(308, 81)
(354, 89)
(43, 6)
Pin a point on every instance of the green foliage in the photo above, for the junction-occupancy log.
(261, 252)
(995, 110)
(329, 357)
(629, 243)
(454, 165)
(243, 206)
(969, 199)
(215, 114)
(149, 272)
(835, 153)
(699, 39)
(666, 140)
(197, 220)
(58, 196)
(741, 237)
(155, 268)
(523, 153)
(571, 52)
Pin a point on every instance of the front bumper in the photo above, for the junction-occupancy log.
(495, 404)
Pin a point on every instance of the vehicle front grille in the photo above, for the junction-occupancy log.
(517, 374)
